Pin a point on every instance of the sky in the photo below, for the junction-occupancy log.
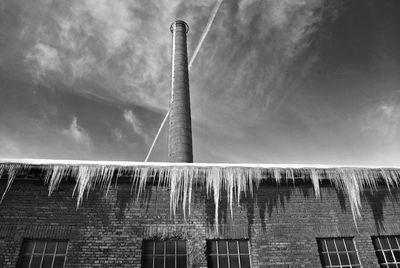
(275, 81)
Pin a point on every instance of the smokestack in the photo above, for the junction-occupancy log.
(180, 126)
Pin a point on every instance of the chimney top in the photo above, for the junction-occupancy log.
(179, 22)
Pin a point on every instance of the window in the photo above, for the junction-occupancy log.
(338, 252)
(228, 254)
(43, 253)
(387, 249)
(164, 254)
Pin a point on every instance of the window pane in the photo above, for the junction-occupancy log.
(324, 259)
(321, 245)
(392, 242)
(340, 245)
(212, 247)
(334, 258)
(47, 261)
(392, 266)
(170, 262)
(50, 247)
(343, 258)
(25, 261)
(39, 247)
(232, 245)
(234, 261)
(397, 255)
(245, 261)
(376, 243)
(353, 258)
(244, 247)
(331, 245)
(28, 247)
(212, 262)
(36, 260)
(349, 244)
(222, 247)
(159, 247)
(381, 258)
(389, 256)
(181, 261)
(223, 262)
(148, 247)
(147, 262)
(159, 261)
(181, 247)
(61, 248)
(58, 262)
(384, 243)
(170, 247)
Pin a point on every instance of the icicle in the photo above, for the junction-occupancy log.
(229, 186)
(315, 180)
(277, 175)
(233, 179)
(12, 171)
(54, 176)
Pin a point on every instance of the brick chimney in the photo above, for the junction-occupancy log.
(180, 126)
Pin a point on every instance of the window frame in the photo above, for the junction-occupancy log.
(228, 254)
(32, 253)
(383, 250)
(164, 254)
(334, 239)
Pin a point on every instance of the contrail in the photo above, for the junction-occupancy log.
(156, 138)
(205, 32)
(196, 51)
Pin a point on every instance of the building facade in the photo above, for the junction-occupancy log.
(278, 225)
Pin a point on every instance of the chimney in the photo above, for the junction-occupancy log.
(180, 127)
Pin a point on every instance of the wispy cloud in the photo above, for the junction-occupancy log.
(135, 125)
(124, 45)
(384, 116)
(77, 133)
(44, 59)
(252, 60)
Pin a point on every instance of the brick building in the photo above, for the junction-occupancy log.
(179, 214)
(283, 223)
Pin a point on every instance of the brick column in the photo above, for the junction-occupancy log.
(180, 127)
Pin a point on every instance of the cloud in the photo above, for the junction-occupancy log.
(135, 124)
(123, 44)
(255, 56)
(44, 59)
(384, 116)
(77, 133)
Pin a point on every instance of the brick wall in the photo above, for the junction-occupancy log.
(281, 222)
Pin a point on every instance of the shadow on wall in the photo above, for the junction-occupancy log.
(378, 200)
(272, 199)
(126, 197)
(265, 200)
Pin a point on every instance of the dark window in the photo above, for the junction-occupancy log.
(228, 254)
(43, 253)
(338, 252)
(164, 254)
(387, 249)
